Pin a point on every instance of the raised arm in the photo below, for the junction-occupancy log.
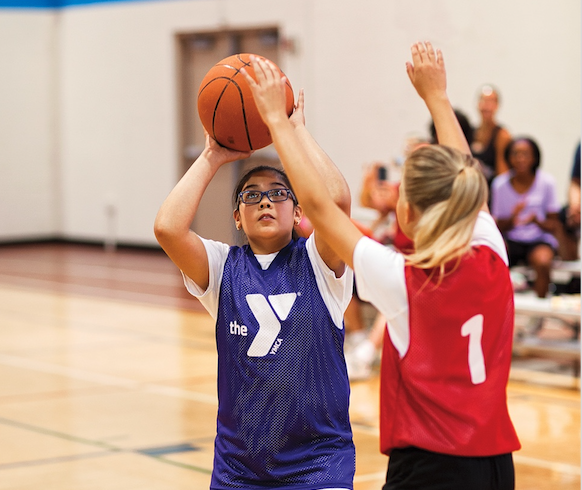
(300, 163)
(173, 221)
(334, 180)
(427, 74)
(501, 142)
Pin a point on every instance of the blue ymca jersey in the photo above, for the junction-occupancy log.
(283, 387)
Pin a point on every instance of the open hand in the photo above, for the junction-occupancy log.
(427, 70)
(221, 154)
(298, 116)
(268, 90)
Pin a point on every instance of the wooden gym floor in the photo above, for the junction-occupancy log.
(108, 381)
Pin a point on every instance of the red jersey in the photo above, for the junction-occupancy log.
(402, 242)
(447, 393)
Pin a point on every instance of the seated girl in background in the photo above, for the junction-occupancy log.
(525, 206)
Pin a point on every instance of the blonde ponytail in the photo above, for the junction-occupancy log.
(449, 189)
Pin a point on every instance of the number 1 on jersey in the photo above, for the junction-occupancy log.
(473, 328)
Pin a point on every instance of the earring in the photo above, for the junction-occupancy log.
(238, 226)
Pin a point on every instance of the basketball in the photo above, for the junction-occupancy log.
(227, 108)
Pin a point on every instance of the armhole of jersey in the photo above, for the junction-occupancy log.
(217, 254)
(390, 297)
(335, 291)
(487, 233)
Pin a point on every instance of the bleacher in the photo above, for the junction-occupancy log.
(563, 306)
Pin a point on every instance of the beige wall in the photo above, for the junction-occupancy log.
(28, 139)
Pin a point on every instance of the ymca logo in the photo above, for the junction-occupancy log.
(268, 313)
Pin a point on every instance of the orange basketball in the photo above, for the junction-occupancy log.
(227, 108)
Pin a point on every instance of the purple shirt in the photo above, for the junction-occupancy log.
(540, 199)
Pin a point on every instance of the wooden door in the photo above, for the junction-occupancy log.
(198, 52)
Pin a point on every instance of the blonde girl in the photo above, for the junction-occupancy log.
(447, 349)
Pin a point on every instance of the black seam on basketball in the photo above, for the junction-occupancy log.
(222, 77)
(217, 100)
(230, 80)
(245, 63)
(242, 103)
(217, 103)
(238, 88)
(237, 70)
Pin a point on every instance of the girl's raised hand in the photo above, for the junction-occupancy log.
(427, 71)
(298, 116)
(221, 154)
(268, 90)
(428, 76)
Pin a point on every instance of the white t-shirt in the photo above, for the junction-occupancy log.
(335, 291)
(380, 277)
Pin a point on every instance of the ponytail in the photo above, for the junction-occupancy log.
(449, 189)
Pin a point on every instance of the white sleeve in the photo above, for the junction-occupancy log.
(487, 233)
(335, 291)
(217, 253)
(380, 279)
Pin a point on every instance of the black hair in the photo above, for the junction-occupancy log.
(264, 168)
(465, 126)
(534, 146)
(260, 168)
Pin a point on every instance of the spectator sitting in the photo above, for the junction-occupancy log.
(525, 207)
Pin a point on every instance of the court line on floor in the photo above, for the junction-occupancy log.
(111, 380)
(108, 449)
(91, 325)
(106, 379)
(96, 271)
(60, 459)
(555, 466)
(60, 435)
(129, 384)
(87, 290)
(381, 475)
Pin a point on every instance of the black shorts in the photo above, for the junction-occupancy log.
(416, 469)
(518, 252)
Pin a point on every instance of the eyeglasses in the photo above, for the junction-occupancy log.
(273, 195)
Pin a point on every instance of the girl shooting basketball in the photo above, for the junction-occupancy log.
(278, 303)
(449, 305)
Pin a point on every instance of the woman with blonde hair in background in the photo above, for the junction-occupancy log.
(490, 138)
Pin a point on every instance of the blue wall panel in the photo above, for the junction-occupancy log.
(53, 4)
